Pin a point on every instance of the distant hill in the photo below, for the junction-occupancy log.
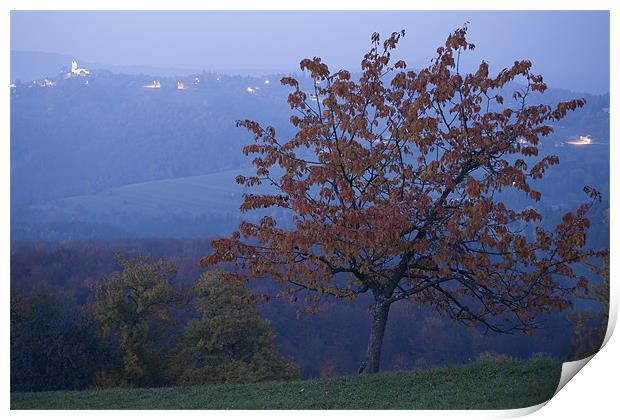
(91, 149)
(32, 65)
(85, 135)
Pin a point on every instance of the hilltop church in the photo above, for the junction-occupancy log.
(76, 71)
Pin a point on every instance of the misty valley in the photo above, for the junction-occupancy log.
(179, 228)
(109, 156)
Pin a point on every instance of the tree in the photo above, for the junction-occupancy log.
(134, 308)
(591, 325)
(53, 348)
(394, 185)
(229, 342)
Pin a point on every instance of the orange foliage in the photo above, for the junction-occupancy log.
(392, 181)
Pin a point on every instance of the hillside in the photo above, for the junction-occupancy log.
(208, 205)
(216, 193)
(74, 137)
(480, 386)
(186, 206)
(106, 156)
(31, 65)
(83, 135)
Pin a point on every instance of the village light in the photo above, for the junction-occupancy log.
(155, 85)
(581, 141)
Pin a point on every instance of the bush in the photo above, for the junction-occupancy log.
(229, 342)
(134, 310)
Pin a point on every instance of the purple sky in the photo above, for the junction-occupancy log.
(570, 48)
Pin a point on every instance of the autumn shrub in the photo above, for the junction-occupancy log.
(134, 309)
(591, 325)
(228, 342)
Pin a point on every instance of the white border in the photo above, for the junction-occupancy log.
(314, 5)
(593, 394)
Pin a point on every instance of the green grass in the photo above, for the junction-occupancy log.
(217, 193)
(479, 386)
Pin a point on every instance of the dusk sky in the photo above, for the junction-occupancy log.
(571, 49)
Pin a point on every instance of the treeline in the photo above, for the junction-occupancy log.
(331, 342)
(142, 330)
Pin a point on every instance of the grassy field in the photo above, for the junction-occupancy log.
(217, 193)
(479, 386)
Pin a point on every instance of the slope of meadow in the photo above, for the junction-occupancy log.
(477, 386)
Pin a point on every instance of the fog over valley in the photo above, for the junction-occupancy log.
(202, 198)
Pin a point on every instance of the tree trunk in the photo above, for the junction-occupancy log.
(372, 360)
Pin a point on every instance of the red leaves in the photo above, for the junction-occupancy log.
(483, 70)
(343, 75)
(400, 65)
(473, 188)
(530, 214)
(318, 70)
(397, 183)
(289, 81)
(593, 193)
(297, 100)
(539, 169)
(457, 40)
(563, 108)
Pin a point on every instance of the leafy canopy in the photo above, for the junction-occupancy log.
(393, 182)
(134, 308)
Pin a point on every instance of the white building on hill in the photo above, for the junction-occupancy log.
(76, 71)
(155, 85)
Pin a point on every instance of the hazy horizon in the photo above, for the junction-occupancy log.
(248, 42)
